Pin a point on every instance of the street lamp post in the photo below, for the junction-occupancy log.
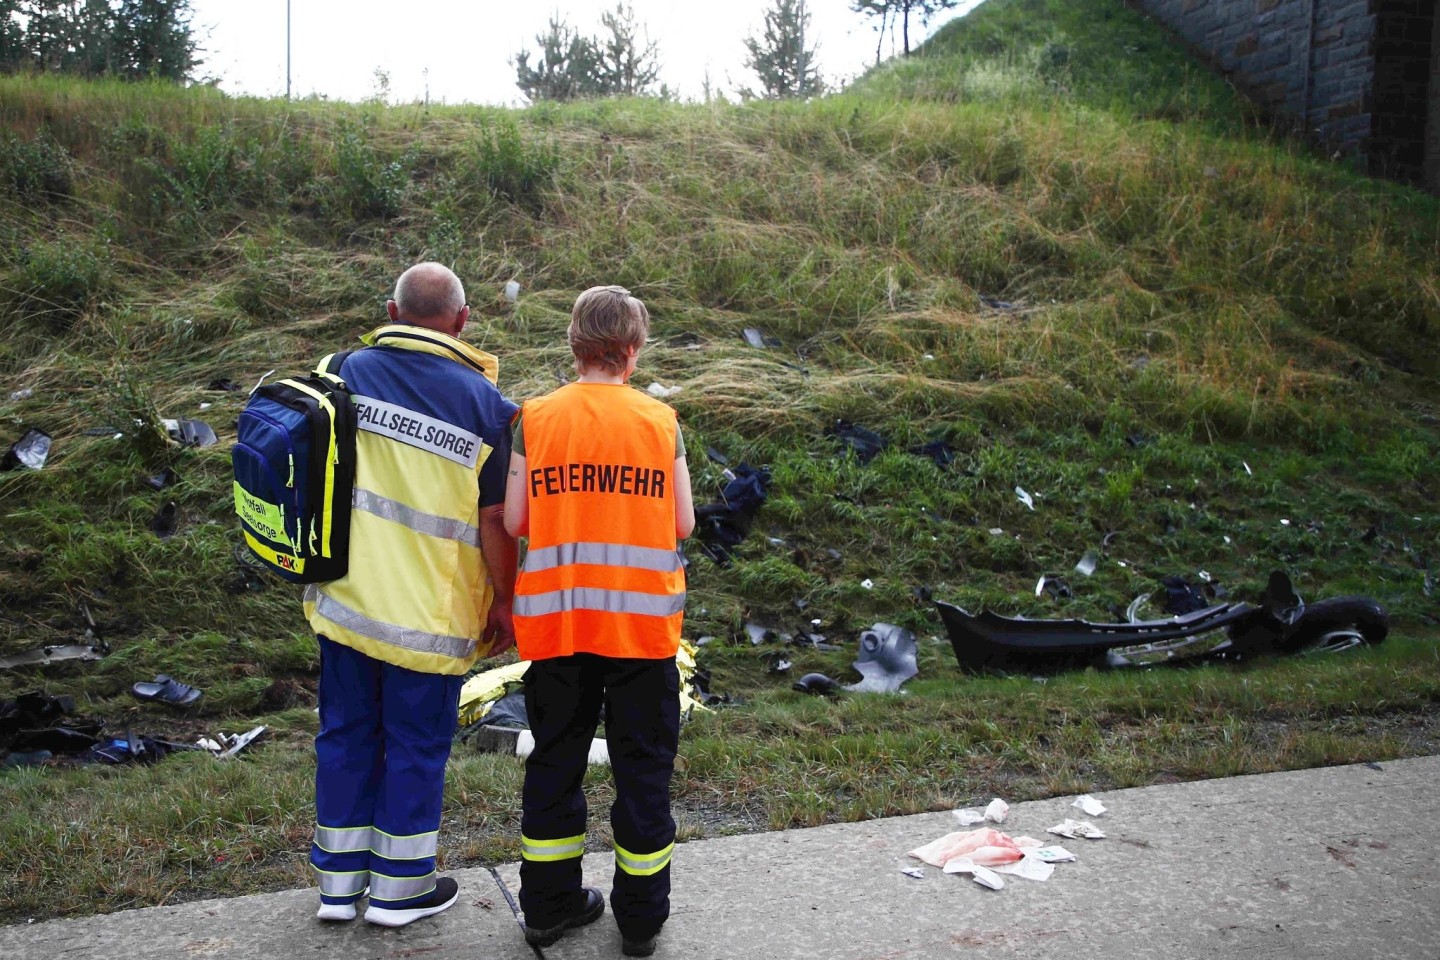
(287, 49)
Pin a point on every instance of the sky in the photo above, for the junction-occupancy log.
(460, 50)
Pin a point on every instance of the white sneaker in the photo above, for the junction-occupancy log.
(443, 897)
(339, 911)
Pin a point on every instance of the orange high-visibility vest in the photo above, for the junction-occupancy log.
(602, 574)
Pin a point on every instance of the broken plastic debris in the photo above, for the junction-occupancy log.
(867, 583)
(1055, 586)
(190, 433)
(969, 818)
(47, 655)
(1284, 523)
(1074, 829)
(1025, 497)
(915, 872)
(1247, 468)
(166, 521)
(996, 810)
(25, 394)
(512, 290)
(816, 683)
(205, 743)
(887, 659)
(1052, 854)
(223, 384)
(659, 391)
(163, 479)
(757, 339)
(29, 451)
(235, 744)
(996, 531)
(1087, 563)
(1089, 805)
(206, 406)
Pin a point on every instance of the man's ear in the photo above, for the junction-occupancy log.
(393, 309)
(461, 318)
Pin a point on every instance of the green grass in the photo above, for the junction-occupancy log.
(1194, 295)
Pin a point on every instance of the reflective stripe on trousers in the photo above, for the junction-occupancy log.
(548, 850)
(400, 888)
(343, 839)
(350, 884)
(598, 598)
(643, 865)
(416, 847)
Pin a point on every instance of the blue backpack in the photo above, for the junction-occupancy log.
(294, 460)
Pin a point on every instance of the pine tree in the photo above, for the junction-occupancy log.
(624, 67)
(893, 11)
(567, 68)
(153, 40)
(785, 66)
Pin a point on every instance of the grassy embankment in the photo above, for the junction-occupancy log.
(1194, 296)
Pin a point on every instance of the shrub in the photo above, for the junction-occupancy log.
(367, 186)
(35, 170)
(510, 168)
(53, 284)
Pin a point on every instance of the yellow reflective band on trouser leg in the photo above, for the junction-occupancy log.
(400, 888)
(541, 851)
(343, 839)
(643, 865)
(350, 884)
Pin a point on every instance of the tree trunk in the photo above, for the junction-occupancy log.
(905, 27)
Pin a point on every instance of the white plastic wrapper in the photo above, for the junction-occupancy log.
(996, 810)
(915, 872)
(1089, 805)
(512, 290)
(1025, 498)
(1074, 829)
(969, 817)
(660, 391)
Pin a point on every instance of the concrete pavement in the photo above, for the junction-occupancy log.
(1316, 864)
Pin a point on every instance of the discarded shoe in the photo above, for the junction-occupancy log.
(442, 898)
(637, 948)
(594, 907)
(166, 690)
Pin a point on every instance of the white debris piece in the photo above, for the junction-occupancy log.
(915, 872)
(981, 875)
(996, 810)
(1247, 468)
(867, 583)
(1087, 563)
(512, 290)
(1053, 855)
(1028, 867)
(968, 817)
(1091, 806)
(1025, 498)
(659, 391)
(1074, 829)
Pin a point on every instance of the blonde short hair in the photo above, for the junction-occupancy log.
(604, 324)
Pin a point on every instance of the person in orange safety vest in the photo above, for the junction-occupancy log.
(599, 483)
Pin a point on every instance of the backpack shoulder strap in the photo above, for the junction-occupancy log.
(329, 365)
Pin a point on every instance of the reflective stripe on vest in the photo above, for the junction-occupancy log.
(415, 847)
(343, 839)
(400, 888)
(336, 612)
(349, 884)
(412, 519)
(603, 555)
(565, 848)
(597, 598)
(646, 865)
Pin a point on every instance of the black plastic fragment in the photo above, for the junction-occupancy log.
(191, 433)
(866, 443)
(166, 521)
(817, 683)
(222, 384)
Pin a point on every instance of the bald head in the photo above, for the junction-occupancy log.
(430, 295)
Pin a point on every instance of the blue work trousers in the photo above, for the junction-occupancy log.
(385, 735)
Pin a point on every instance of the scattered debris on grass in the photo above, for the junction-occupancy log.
(887, 659)
(1024, 497)
(817, 683)
(190, 433)
(166, 521)
(722, 526)
(30, 451)
(660, 392)
(44, 656)
(866, 444)
(165, 689)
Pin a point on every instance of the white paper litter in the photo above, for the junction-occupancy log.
(512, 290)
(867, 583)
(1053, 855)
(1025, 497)
(1090, 806)
(968, 817)
(1029, 868)
(1247, 468)
(1074, 829)
(982, 875)
(915, 872)
(1087, 563)
(996, 810)
(660, 391)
